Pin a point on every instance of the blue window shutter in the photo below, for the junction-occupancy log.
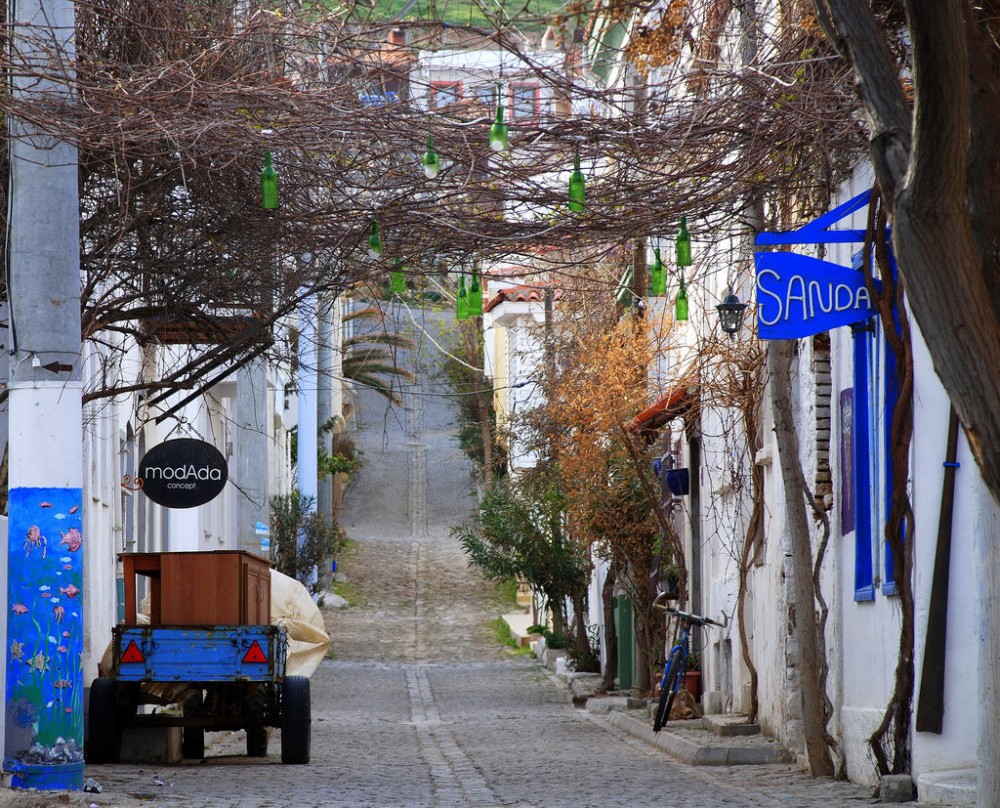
(864, 588)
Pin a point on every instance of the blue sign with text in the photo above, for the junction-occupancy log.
(798, 295)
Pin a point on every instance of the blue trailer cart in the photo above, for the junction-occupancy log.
(223, 676)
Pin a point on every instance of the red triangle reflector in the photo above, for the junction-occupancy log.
(132, 653)
(254, 653)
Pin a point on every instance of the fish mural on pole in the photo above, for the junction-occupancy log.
(44, 720)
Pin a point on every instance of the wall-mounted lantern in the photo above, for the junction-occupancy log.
(731, 312)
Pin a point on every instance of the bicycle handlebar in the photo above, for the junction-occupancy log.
(694, 619)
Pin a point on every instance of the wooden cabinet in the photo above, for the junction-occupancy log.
(221, 588)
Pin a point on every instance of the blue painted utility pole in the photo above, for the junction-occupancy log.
(43, 739)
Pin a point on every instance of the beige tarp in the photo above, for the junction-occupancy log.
(293, 607)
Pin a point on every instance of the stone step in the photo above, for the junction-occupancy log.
(731, 725)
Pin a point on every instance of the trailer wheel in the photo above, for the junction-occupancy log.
(296, 720)
(193, 738)
(103, 731)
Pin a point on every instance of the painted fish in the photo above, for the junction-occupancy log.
(74, 509)
(19, 608)
(44, 504)
(44, 588)
(62, 649)
(46, 594)
(61, 683)
(66, 634)
(72, 538)
(70, 591)
(16, 650)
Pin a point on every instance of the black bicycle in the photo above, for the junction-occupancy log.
(676, 660)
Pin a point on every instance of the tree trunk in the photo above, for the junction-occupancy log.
(610, 631)
(803, 610)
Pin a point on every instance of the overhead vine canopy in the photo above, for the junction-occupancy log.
(176, 101)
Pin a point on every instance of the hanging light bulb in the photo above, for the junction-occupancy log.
(683, 245)
(577, 186)
(681, 306)
(374, 241)
(659, 279)
(398, 278)
(462, 301)
(430, 161)
(498, 132)
(268, 184)
(475, 296)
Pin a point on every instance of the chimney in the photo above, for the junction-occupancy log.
(397, 37)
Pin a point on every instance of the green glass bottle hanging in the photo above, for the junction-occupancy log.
(430, 161)
(659, 276)
(475, 296)
(681, 306)
(268, 184)
(683, 244)
(398, 278)
(374, 241)
(577, 186)
(462, 301)
(498, 132)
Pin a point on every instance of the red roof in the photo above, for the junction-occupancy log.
(519, 294)
(677, 401)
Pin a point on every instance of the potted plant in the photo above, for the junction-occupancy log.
(691, 681)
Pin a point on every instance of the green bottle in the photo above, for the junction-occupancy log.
(577, 186)
(659, 276)
(462, 301)
(374, 241)
(475, 296)
(398, 278)
(681, 307)
(268, 185)
(430, 161)
(498, 132)
(683, 245)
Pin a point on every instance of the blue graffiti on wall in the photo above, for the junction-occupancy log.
(44, 721)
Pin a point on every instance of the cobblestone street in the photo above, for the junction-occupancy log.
(419, 704)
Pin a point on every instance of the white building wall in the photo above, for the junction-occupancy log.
(119, 518)
(867, 633)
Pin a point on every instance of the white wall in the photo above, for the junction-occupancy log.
(868, 634)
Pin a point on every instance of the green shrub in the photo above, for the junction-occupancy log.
(303, 540)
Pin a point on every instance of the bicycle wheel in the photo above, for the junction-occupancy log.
(668, 689)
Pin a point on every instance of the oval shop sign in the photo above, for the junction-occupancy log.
(183, 473)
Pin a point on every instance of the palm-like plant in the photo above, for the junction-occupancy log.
(370, 359)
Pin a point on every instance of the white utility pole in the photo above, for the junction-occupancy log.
(47, 541)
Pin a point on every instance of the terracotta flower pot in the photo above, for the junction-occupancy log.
(691, 682)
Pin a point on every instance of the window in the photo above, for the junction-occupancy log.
(874, 398)
(487, 94)
(444, 93)
(525, 100)
(864, 584)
